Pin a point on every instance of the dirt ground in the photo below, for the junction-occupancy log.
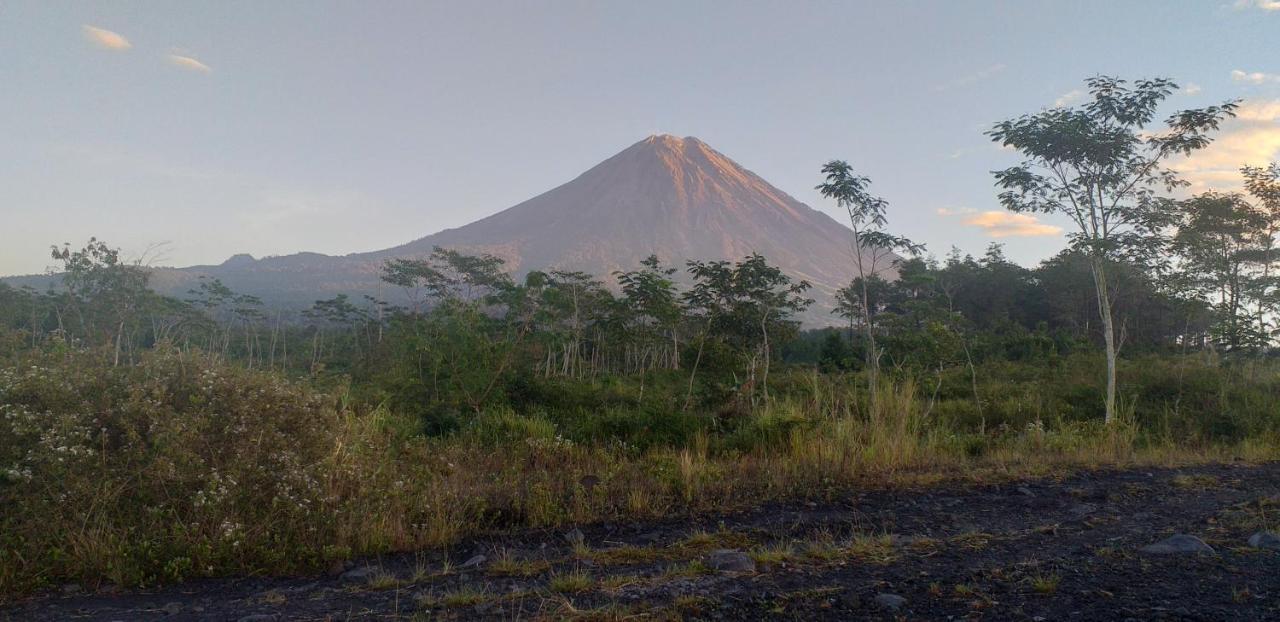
(1034, 550)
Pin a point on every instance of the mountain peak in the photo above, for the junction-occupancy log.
(670, 196)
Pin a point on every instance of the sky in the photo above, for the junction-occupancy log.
(184, 132)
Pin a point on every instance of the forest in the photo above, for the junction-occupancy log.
(147, 438)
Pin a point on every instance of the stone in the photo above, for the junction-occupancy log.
(1178, 544)
(1026, 492)
(71, 588)
(337, 567)
(730, 560)
(259, 617)
(574, 537)
(1265, 540)
(359, 575)
(1080, 510)
(890, 602)
(173, 608)
(474, 562)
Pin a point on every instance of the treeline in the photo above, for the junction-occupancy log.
(1143, 273)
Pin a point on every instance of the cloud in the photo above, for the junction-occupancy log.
(1068, 98)
(973, 78)
(1191, 89)
(106, 39)
(999, 224)
(1256, 77)
(188, 63)
(1252, 138)
(1264, 5)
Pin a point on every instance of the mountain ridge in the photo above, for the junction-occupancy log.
(677, 198)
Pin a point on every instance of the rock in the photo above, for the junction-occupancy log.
(71, 588)
(1176, 544)
(1265, 540)
(1026, 492)
(1080, 510)
(890, 602)
(337, 567)
(172, 609)
(729, 560)
(259, 617)
(474, 562)
(574, 537)
(359, 575)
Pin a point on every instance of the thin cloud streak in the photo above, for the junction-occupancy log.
(1255, 77)
(106, 39)
(1262, 5)
(188, 63)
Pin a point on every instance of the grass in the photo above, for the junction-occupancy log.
(1045, 584)
(182, 466)
(695, 568)
(385, 581)
(778, 553)
(876, 549)
(506, 564)
(1196, 482)
(465, 596)
(571, 583)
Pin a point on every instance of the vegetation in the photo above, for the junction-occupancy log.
(146, 439)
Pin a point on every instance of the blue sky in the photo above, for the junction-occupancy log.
(275, 127)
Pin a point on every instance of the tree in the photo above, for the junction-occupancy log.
(652, 309)
(873, 248)
(1220, 236)
(1263, 185)
(744, 304)
(102, 287)
(1097, 165)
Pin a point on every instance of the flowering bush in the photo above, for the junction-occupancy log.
(117, 472)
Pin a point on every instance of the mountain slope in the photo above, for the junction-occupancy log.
(674, 197)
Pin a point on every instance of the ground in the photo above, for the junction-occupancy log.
(1053, 549)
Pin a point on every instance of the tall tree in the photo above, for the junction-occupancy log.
(1098, 165)
(873, 247)
(1263, 185)
(1220, 239)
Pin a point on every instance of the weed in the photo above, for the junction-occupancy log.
(571, 582)
(1045, 584)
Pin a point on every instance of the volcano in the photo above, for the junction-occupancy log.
(673, 197)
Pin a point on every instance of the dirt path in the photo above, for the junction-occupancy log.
(1042, 550)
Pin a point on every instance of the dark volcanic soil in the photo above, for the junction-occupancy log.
(1041, 550)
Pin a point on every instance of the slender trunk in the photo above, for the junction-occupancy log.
(688, 396)
(1108, 334)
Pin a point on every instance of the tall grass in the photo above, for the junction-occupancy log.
(181, 467)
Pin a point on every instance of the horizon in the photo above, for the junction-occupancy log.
(219, 131)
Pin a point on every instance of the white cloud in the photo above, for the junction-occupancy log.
(1264, 5)
(106, 39)
(1256, 77)
(1191, 89)
(1069, 98)
(191, 64)
(1000, 224)
(1252, 138)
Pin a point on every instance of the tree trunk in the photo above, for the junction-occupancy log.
(1108, 334)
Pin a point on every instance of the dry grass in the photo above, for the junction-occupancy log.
(246, 473)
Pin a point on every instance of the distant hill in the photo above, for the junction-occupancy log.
(674, 197)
